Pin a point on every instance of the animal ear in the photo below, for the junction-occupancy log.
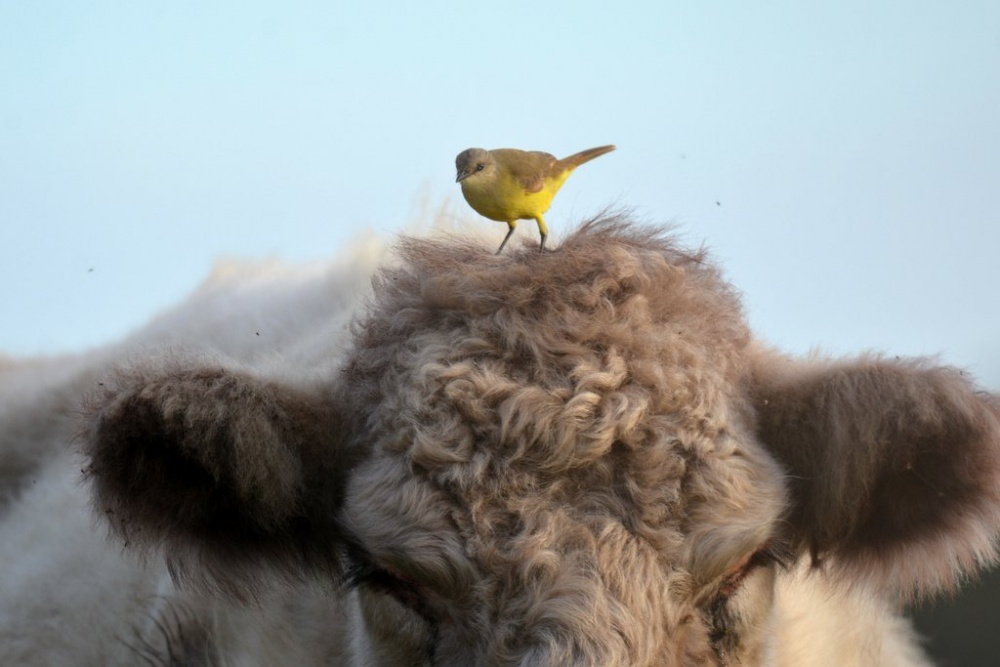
(233, 477)
(894, 466)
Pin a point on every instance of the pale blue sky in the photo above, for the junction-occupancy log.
(853, 148)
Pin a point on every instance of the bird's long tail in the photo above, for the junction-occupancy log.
(575, 160)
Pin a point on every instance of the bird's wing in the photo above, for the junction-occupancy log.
(529, 168)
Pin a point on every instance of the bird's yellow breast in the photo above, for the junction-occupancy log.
(504, 199)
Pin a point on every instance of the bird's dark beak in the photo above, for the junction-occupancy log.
(460, 176)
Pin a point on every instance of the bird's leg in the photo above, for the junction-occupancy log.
(543, 230)
(512, 224)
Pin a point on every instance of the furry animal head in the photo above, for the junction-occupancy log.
(578, 457)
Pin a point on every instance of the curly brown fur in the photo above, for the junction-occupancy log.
(568, 415)
(235, 477)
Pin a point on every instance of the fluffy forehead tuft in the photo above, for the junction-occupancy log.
(597, 376)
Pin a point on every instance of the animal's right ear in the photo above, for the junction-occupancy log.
(233, 477)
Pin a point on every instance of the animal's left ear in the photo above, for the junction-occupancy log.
(894, 466)
(232, 476)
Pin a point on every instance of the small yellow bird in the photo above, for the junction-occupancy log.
(507, 185)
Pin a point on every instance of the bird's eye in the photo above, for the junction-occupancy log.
(480, 166)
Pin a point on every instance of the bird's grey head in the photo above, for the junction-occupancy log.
(471, 161)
